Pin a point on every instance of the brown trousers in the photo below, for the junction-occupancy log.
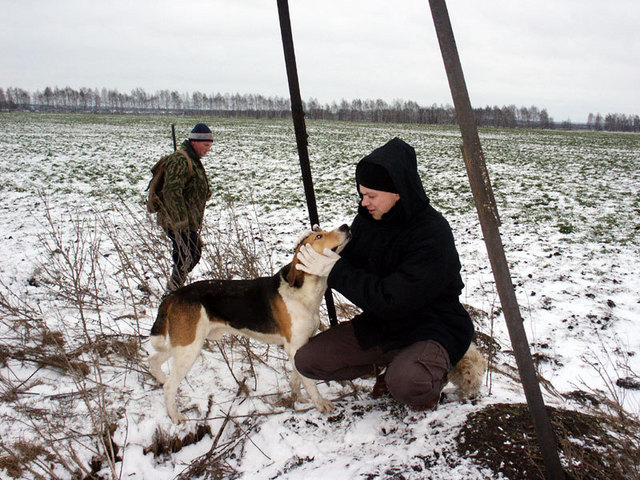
(415, 374)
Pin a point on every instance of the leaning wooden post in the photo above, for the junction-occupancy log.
(300, 129)
(173, 136)
(489, 221)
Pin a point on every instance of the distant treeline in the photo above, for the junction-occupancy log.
(258, 106)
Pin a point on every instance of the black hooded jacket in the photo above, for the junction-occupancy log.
(403, 270)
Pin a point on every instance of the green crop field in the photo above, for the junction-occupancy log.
(582, 184)
(83, 262)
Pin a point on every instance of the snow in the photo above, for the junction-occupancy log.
(578, 290)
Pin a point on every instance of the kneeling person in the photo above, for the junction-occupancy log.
(402, 270)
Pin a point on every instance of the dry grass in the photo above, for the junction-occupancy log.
(93, 348)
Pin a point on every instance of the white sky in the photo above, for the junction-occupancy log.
(571, 57)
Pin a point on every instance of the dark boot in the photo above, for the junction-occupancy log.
(380, 387)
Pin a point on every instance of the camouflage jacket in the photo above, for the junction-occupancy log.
(185, 192)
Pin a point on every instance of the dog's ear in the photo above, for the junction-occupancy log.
(295, 277)
(301, 240)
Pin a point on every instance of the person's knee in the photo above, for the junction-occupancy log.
(418, 374)
(412, 386)
(304, 360)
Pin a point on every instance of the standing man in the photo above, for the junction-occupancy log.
(185, 193)
(401, 268)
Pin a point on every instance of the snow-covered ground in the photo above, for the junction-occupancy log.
(71, 192)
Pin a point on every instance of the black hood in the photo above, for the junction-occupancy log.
(398, 158)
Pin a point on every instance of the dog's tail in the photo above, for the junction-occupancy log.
(161, 327)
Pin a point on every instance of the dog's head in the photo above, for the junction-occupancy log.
(319, 239)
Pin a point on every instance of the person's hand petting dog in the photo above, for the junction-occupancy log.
(316, 263)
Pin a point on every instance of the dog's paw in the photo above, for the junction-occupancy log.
(158, 374)
(296, 392)
(300, 397)
(323, 405)
(177, 418)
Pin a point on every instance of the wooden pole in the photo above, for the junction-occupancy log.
(489, 221)
(173, 135)
(297, 113)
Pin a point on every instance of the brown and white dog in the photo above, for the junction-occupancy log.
(282, 309)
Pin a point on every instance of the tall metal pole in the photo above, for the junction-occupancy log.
(489, 221)
(301, 131)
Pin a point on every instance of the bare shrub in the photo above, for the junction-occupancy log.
(72, 268)
(143, 259)
(236, 248)
(116, 258)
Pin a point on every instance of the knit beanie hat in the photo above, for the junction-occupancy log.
(375, 177)
(201, 133)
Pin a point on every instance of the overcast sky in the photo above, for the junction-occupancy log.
(572, 57)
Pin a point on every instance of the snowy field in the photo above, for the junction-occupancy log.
(81, 262)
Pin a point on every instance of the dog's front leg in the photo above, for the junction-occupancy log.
(295, 383)
(322, 404)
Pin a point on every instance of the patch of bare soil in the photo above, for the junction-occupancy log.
(501, 437)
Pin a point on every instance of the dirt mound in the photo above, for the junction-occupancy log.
(501, 437)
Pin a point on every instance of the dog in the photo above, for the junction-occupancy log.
(282, 310)
(468, 374)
